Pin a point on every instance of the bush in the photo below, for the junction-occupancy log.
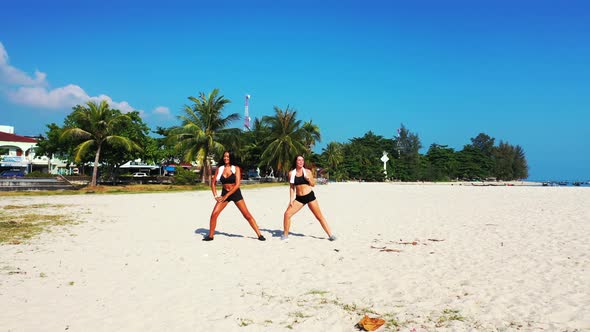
(184, 176)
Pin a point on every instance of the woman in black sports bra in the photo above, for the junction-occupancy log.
(229, 175)
(300, 194)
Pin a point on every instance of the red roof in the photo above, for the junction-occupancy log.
(6, 137)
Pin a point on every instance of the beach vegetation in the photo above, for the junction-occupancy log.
(51, 145)
(93, 127)
(391, 321)
(269, 146)
(286, 139)
(441, 163)
(254, 142)
(17, 227)
(317, 292)
(136, 131)
(311, 136)
(361, 158)
(130, 189)
(333, 156)
(242, 322)
(183, 176)
(509, 162)
(298, 314)
(32, 206)
(160, 150)
(408, 163)
(447, 316)
(204, 131)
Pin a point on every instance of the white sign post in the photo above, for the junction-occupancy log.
(384, 159)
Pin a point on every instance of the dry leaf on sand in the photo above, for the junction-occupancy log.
(370, 324)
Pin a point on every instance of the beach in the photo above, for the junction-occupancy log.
(422, 257)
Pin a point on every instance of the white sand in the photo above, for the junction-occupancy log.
(512, 258)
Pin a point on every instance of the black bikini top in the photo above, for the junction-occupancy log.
(299, 180)
(228, 180)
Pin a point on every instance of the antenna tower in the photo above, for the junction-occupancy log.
(246, 114)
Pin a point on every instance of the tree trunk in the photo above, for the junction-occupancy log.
(95, 171)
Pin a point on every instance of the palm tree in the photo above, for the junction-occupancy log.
(312, 135)
(286, 137)
(203, 130)
(333, 154)
(254, 142)
(97, 124)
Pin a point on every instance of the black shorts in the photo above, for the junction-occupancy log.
(235, 197)
(305, 198)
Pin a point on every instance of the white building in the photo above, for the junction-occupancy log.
(18, 152)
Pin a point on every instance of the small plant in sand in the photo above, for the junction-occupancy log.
(317, 292)
(298, 314)
(245, 322)
(391, 321)
(16, 227)
(447, 316)
(33, 206)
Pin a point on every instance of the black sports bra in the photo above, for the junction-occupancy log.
(228, 180)
(299, 180)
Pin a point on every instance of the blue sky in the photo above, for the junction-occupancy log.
(518, 71)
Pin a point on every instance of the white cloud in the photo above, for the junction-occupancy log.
(121, 106)
(66, 96)
(161, 110)
(22, 89)
(13, 76)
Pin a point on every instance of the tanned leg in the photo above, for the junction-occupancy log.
(241, 204)
(314, 206)
(219, 206)
(291, 210)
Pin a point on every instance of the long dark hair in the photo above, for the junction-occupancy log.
(294, 165)
(233, 159)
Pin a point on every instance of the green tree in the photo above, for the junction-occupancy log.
(255, 141)
(97, 125)
(503, 161)
(407, 145)
(203, 133)
(441, 164)
(312, 135)
(161, 149)
(509, 162)
(133, 128)
(286, 139)
(473, 164)
(49, 145)
(520, 167)
(333, 156)
(362, 157)
(484, 143)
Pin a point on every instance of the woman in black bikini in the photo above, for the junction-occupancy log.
(229, 176)
(300, 194)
